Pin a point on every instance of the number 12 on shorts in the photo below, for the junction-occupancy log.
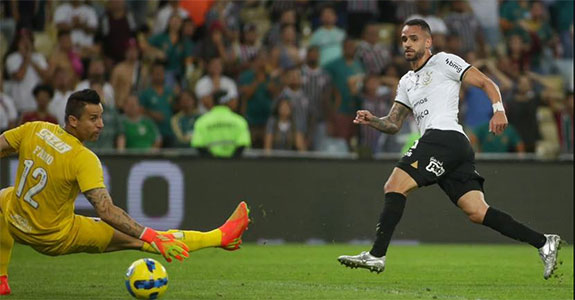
(37, 173)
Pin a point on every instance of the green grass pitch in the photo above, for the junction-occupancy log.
(296, 271)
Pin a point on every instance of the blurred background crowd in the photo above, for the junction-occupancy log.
(295, 71)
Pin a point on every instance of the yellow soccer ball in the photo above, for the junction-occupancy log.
(146, 279)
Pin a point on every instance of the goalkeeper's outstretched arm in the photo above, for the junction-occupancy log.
(113, 215)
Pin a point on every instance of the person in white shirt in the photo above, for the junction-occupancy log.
(8, 114)
(443, 155)
(80, 19)
(213, 82)
(63, 88)
(96, 71)
(26, 69)
(164, 14)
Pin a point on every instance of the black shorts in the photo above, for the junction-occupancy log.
(444, 157)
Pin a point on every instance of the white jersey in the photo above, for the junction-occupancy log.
(432, 92)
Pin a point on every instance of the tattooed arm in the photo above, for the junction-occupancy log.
(389, 124)
(111, 214)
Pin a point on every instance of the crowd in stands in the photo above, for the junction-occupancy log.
(294, 71)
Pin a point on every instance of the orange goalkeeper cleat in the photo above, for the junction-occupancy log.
(234, 227)
(4, 287)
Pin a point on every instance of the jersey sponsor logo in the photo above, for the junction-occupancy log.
(454, 65)
(420, 116)
(419, 102)
(435, 166)
(53, 141)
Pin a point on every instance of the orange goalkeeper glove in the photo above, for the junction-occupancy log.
(166, 244)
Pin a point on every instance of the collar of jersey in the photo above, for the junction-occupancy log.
(425, 63)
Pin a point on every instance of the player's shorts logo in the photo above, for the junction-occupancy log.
(435, 167)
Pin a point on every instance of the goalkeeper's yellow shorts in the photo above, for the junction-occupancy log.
(88, 235)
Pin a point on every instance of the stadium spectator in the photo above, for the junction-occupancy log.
(328, 37)
(511, 12)
(177, 51)
(487, 13)
(359, 14)
(184, 120)
(485, 141)
(561, 15)
(26, 14)
(375, 98)
(81, 20)
(538, 29)
(281, 132)
(273, 36)
(128, 76)
(373, 55)
(257, 90)
(345, 72)
(117, 27)
(63, 88)
(66, 57)
(8, 113)
(564, 117)
(522, 112)
(97, 73)
(462, 21)
(139, 10)
(157, 101)
(112, 135)
(141, 132)
(213, 81)
(7, 24)
(300, 106)
(43, 94)
(221, 132)
(213, 44)
(318, 88)
(170, 8)
(26, 68)
(243, 52)
(286, 54)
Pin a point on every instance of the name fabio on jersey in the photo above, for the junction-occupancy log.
(53, 141)
(454, 65)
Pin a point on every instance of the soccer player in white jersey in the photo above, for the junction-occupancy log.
(443, 155)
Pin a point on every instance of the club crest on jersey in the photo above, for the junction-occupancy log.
(435, 167)
(426, 79)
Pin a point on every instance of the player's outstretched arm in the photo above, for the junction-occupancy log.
(476, 78)
(120, 220)
(389, 124)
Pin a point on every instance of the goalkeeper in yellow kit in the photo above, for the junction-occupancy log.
(54, 166)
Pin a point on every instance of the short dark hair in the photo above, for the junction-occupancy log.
(78, 100)
(419, 22)
(43, 88)
(63, 32)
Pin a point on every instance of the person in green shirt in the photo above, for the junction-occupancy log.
(345, 72)
(176, 49)
(487, 142)
(221, 132)
(183, 121)
(140, 131)
(256, 92)
(157, 103)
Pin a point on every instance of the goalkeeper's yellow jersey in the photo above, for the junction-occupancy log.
(53, 167)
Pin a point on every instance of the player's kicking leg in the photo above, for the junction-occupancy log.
(396, 188)
(474, 205)
(228, 236)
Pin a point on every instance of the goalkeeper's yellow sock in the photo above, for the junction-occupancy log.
(195, 240)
